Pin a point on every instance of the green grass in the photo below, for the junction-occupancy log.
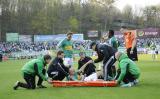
(149, 87)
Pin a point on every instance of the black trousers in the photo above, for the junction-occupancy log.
(90, 69)
(30, 80)
(127, 78)
(133, 56)
(1, 57)
(109, 68)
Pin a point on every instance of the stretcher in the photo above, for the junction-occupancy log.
(84, 83)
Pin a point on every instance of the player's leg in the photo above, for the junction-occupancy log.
(153, 55)
(128, 53)
(71, 62)
(68, 62)
(90, 69)
(134, 55)
(1, 57)
(129, 79)
(53, 75)
(92, 77)
(113, 69)
(156, 54)
(30, 82)
(107, 68)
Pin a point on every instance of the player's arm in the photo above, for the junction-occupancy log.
(101, 54)
(123, 68)
(105, 36)
(40, 68)
(60, 44)
(99, 59)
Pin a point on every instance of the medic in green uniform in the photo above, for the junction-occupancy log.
(128, 70)
(31, 69)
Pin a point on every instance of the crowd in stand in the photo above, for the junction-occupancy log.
(147, 42)
(7, 47)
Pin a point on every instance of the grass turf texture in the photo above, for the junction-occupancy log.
(149, 87)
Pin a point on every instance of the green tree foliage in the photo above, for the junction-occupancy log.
(59, 16)
(73, 22)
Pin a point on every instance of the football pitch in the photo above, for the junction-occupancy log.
(148, 88)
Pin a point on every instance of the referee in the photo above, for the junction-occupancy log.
(130, 39)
